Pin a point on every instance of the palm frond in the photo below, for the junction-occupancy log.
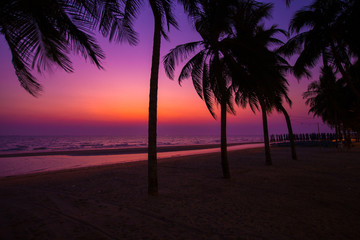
(307, 59)
(43, 33)
(188, 67)
(191, 7)
(302, 18)
(197, 74)
(177, 55)
(207, 92)
(266, 38)
(118, 25)
(131, 9)
(82, 42)
(230, 102)
(259, 11)
(83, 10)
(48, 44)
(26, 79)
(293, 45)
(168, 13)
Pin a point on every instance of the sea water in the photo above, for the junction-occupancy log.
(20, 144)
(10, 166)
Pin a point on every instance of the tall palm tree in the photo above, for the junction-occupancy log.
(271, 94)
(263, 92)
(328, 29)
(40, 33)
(207, 67)
(258, 72)
(163, 18)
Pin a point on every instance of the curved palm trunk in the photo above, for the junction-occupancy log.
(224, 156)
(336, 132)
(268, 160)
(291, 134)
(152, 131)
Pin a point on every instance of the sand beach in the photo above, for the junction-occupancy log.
(316, 197)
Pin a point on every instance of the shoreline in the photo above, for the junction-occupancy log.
(119, 151)
(22, 165)
(109, 167)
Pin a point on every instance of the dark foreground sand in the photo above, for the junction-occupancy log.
(317, 197)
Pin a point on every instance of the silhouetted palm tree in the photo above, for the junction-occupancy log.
(329, 29)
(333, 101)
(41, 33)
(263, 91)
(323, 98)
(258, 72)
(163, 18)
(274, 92)
(207, 67)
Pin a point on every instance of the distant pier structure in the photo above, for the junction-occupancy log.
(305, 137)
(302, 137)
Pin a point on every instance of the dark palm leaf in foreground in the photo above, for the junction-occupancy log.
(42, 33)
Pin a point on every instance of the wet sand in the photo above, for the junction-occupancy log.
(316, 197)
(27, 164)
(117, 151)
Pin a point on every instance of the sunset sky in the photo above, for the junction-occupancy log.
(114, 101)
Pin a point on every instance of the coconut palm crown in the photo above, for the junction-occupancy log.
(257, 69)
(207, 68)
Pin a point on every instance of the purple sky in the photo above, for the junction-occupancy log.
(115, 101)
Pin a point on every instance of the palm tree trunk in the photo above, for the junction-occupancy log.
(152, 128)
(291, 134)
(224, 156)
(268, 160)
(339, 133)
(336, 132)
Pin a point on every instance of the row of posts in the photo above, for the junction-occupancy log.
(303, 137)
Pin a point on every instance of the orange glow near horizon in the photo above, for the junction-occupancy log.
(119, 94)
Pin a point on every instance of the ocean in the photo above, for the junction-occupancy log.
(20, 144)
(27, 164)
